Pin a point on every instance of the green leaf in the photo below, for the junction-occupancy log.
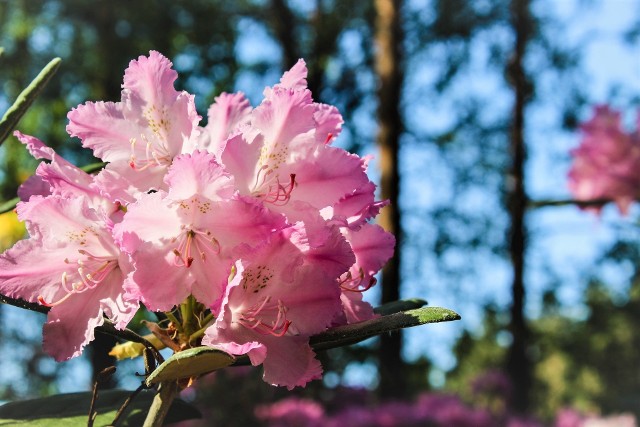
(26, 97)
(356, 332)
(1, 51)
(341, 336)
(201, 360)
(190, 363)
(401, 305)
(9, 205)
(72, 410)
(93, 167)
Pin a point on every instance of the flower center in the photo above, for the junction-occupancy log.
(156, 153)
(269, 188)
(192, 239)
(349, 283)
(266, 317)
(90, 271)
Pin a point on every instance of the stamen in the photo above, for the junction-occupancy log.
(155, 153)
(278, 194)
(329, 138)
(202, 240)
(351, 284)
(279, 327)
(91, 271)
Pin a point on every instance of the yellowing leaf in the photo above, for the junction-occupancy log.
(129, 350)
(11, 230)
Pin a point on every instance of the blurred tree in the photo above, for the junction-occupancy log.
(389, 69)
(518, 363)
(587, 361)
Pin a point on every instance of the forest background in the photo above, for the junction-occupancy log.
(470, 109)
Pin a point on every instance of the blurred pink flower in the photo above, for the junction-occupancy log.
(607, 162)
(292, 412)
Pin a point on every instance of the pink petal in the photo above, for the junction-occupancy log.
(150, 80)
(355, 309)
(356, 208)
(33, 186)
(240, 158)
(102, 127)
(296, 77)
(290, 362)
(59, 222)
(285, 120)
(323, 245)
(22, 277)
(138, 226)
(37, 148)
(225, 115)
(372, 245)
(235, 222)
(70, 325)
(156, 281)
(198, 174)
(328, 123)
(58, 177)
(327, 177)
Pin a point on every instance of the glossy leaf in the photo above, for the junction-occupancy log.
(9, 205)
(335, 337)
(356, 332)
(26, 97)
(401, 305)
(72, 410)
(190, 363)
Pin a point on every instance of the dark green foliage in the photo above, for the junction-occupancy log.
(72, 410)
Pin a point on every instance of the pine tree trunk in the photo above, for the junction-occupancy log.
(518, 363)
(389, 70)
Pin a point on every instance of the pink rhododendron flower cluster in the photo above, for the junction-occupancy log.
(607, 163)
(256, 216)
(429, 409)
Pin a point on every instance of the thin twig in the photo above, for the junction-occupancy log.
(127, 402)
(106, 328)
(102, 377)
(33, 306)
(536, 204)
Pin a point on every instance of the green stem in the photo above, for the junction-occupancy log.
(162, 401)
(174, 320)
(205, 324)
(26, 98)
(187, 308)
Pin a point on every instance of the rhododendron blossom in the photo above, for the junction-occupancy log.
(607, 162)
(281, 294)
(140, 135)
(188, 244)
(251, 233)
(72, 265)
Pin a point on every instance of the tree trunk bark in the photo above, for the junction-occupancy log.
(518, 363)
(389, 70)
